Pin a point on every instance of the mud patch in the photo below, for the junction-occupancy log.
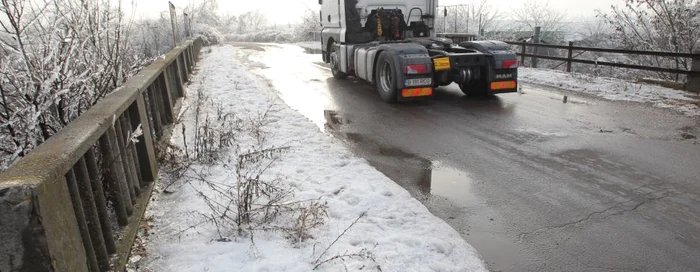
(688, 136)
(253, 47)
(627, 130)
(313, 50)
(689, 132)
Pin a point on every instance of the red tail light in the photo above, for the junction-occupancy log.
(415, 69)
(509, 64)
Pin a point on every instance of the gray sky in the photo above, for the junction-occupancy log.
(283, 11)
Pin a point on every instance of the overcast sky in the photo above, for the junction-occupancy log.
(283, 11)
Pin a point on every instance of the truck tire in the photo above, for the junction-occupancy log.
(335, 63)
(385, 75)
(475, 89)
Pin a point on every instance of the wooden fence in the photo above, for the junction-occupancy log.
(76, 201)
(693, 74)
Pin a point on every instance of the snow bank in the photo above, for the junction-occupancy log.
(399, 231)
(614, 89)
(314, 45)
(210, 34)
(266, 36)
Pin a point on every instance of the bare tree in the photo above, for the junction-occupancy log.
(595, 33)
(206, 13)
(456, 20)
(540, 13)
(309, 24)
(58, 58)
(483, 16)
(657, 25)
(229, 23)
(251, 21)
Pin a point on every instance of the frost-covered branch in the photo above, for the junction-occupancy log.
(666, 25)
(58, 58)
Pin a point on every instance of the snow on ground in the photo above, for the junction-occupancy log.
(316, 45)
(400, 233)
(614, 89)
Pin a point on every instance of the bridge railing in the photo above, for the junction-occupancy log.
(75, 202)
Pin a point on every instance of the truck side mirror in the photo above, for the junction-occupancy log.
(445, 11)
(320, 2)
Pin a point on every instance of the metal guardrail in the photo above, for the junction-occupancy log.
(75, 202)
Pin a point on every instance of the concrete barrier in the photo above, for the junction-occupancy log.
(60, 203)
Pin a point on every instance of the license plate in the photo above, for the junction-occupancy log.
(411, 82)
(441, 64)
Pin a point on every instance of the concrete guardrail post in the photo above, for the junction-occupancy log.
(38, 226)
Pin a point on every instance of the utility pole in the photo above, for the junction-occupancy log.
(187, 26)
(455, 23)
(467, 20)
(444, 21)
(481, 31)
(173, 21)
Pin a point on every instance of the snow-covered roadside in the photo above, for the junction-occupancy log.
(400, 233)
(315, 45)
(614, 89)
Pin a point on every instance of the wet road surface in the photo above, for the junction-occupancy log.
(534, 184)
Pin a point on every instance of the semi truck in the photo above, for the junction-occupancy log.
(393, 45)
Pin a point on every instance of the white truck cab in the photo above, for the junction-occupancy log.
(334, 14)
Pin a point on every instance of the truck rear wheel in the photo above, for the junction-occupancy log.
(386, 78)
(335, 63)
(478, 88)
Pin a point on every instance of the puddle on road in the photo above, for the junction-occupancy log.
(449, 193)
(451, 184)
(430, 178)
(302, 87)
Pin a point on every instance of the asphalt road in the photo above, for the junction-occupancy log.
(534, 184)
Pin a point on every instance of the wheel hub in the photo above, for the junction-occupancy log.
(386, 77)
(334, 60)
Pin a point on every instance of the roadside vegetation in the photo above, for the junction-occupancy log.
(58, 58)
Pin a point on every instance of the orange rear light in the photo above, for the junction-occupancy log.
(415, 92)
(502, 85)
